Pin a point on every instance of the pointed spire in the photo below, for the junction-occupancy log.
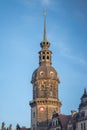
(84, 90)
(45, 25)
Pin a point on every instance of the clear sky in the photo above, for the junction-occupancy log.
(21, 31)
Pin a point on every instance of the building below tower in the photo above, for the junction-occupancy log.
(75, 121)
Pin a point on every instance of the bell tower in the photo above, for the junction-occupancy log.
(45, 82)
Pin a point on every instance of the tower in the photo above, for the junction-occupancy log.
(45, 83)
(82, 114)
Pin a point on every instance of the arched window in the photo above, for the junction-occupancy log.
(48, 57)
(43, 57)
(56, 122)
(42, 90)
(53, 123)
(43, 52)
(84, 126)
(81, 126)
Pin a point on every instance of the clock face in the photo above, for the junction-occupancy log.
(41, 73)
(42, 109)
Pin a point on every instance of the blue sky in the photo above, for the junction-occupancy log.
(21, 31)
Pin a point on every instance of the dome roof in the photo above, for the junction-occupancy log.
(44, 72)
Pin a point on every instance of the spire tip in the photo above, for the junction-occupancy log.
(45, 25)
(84, 90)
(44, 11)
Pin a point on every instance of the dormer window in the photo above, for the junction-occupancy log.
(83, 114)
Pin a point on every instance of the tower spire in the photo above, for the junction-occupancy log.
(45, 25)
(84, 90)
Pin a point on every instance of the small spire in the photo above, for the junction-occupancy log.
(84, 90)
(45, 25)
